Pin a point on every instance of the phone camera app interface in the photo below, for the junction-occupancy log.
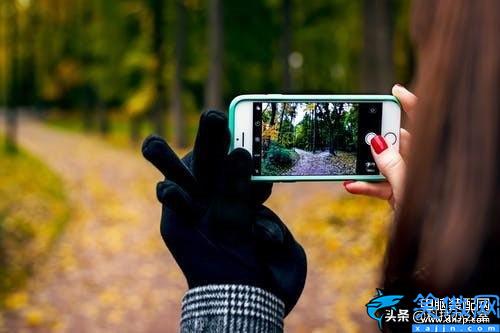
(314, 138)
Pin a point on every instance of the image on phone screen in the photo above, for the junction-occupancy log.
(314, 138)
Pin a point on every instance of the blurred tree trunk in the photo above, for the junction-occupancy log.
(32, 29)
(4, 41)
(100, 104)
(11, 131)
(177, 86)
(159, 108)
(135, 128)
(87, 110)
(102, 118)
(84, 101)
(213, 89)
(11, 114)
(287, 44)
(377, 57)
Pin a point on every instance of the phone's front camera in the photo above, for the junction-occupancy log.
(372, 110)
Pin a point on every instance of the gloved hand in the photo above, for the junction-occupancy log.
(213, 221)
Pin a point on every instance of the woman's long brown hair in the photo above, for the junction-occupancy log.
(448, 223)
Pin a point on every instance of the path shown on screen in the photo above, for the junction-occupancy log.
(323, 163)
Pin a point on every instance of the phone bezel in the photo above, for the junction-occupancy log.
(241, 121)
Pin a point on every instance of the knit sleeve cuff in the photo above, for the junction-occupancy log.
(231, 308)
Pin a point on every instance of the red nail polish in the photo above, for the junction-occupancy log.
(347, 182)
(378, 143)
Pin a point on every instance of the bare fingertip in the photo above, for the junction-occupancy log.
(397, 89)
(348, 182)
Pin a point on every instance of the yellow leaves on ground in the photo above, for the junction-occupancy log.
(112, 260)
(353, 226)
(110, 296)
(16, 301)
(33, 210)
(34, 317)
(345, 238)
(19, 302)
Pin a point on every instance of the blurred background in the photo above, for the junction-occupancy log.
(82, 82)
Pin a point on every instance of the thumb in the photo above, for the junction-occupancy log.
(390, 163)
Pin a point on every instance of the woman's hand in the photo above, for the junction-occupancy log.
(213, 219)
(392, 164)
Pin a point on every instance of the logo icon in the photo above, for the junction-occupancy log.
(381, 302)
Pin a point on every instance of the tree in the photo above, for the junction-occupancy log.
(282, 120)
(273, 114)
(157, 8)
(177, 85)
(287, 44)
(314, 128)
(213, 88)
(377, 55)
(103, 73)
(333, 116)
(13, 88)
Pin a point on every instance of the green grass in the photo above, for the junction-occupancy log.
(278, 160)
(33, 212)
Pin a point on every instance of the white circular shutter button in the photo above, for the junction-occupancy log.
(390, 137)
(369, 137)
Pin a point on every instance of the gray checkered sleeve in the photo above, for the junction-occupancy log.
(231, 308)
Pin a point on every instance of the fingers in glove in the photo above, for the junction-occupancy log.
(210, 148)
(268, 233)
(238, 171)
(232, 210)
(175, 198)
(261, 191)
(284, 257)
(159, 153)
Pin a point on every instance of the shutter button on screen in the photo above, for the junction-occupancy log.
(390, 137)
(369, 137)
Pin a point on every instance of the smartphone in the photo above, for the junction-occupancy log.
(313, 137)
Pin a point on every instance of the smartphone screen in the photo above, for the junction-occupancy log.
(308, 138)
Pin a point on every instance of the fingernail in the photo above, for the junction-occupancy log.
(399, 85)
(378, 143)
(347, 182)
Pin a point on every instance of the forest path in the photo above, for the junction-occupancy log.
(110, 271)
(313, 164)
(323, 163)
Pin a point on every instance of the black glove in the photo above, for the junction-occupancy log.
(213, 220)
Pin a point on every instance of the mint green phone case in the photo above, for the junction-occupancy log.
(318, 98)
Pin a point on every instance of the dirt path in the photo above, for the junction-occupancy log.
(110, 271)
(323, 163)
